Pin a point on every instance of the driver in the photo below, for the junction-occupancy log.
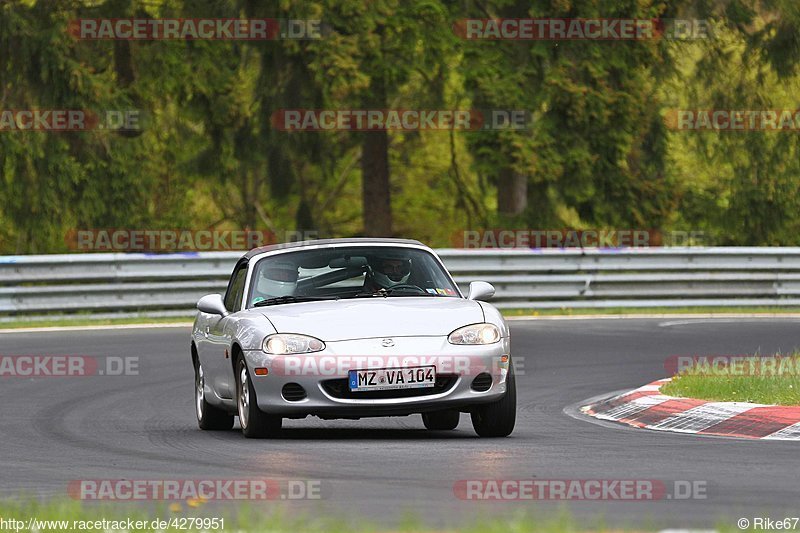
(388, 271)
(277, 278)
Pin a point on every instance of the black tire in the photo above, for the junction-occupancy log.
(497, 419)
(441, 420)
(255, 423)
(209, 418)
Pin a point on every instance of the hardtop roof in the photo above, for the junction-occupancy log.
(328, 242)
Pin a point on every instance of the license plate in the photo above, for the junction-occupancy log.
(392, 378)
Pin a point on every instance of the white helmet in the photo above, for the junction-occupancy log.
(391, 270)
(278, 279)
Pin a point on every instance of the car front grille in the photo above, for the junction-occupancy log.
(340, 388)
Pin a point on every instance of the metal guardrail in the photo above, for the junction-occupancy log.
(154, 284)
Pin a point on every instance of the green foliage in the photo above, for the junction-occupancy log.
(597, 154)
(740, 187)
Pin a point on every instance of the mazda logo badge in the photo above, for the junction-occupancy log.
(387, 343)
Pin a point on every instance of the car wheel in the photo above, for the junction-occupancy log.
(255, 423)
(441, 420)
(208, 416)
(497, 419)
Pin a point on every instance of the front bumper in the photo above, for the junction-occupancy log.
(458, 366)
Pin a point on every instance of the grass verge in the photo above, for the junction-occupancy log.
(86, 321)
(67, 322)
(567, 311)
(70, 515)
(756, 379)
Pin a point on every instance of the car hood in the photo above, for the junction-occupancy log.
(406, 316)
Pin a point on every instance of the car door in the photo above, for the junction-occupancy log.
(218, 343)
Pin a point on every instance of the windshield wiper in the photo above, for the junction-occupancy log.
(290, 300)
(390, 292)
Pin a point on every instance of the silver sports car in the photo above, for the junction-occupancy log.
(350, 328)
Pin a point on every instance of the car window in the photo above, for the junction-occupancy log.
(356, 280)
(344, 272)
(233, 297)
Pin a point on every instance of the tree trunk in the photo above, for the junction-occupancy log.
(512, 192)
(376, 195)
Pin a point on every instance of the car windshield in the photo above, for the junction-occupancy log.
(348, 272)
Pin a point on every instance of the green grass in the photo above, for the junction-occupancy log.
(249, 518)
(78, 321)
(567, 311)
(252, 518)
(756, 382)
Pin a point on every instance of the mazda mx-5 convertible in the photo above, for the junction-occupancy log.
(350, 328)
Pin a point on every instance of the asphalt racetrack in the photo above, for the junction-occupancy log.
(58, 429)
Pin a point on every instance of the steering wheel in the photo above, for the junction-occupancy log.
(402, 286)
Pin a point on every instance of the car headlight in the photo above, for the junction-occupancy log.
(286, 343)
(475, 334)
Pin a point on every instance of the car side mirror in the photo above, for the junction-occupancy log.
(480, 290)
(212, 304)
